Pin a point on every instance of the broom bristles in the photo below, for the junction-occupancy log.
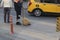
(26, 21)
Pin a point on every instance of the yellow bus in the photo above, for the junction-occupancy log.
(37, 7)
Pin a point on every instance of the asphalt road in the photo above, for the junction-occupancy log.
(42, 28)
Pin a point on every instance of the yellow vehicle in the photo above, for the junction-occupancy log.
(37, 7)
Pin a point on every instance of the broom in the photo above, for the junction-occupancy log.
(25, 21)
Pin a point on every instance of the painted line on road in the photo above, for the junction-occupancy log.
(44, 23)
(37, 35)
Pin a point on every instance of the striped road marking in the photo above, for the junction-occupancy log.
(37, 35)
(43, 22)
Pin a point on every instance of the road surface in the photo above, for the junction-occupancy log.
(41, 28)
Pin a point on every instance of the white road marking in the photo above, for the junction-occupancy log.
(43, 22)
(37, 35)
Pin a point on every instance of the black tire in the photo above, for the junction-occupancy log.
(37, 12)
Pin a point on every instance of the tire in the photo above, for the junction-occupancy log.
(37, 12)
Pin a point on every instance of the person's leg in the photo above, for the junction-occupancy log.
(19, 16)
(17, 9)
(5, 15)
(8, 14)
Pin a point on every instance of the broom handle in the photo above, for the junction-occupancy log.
(23, 15)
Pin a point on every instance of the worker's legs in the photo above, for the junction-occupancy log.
(18, 14)
(6, 14)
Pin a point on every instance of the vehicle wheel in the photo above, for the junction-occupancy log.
(37, 12)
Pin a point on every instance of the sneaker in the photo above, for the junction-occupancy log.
(18, 23)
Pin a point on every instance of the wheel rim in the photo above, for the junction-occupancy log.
(37, 13)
